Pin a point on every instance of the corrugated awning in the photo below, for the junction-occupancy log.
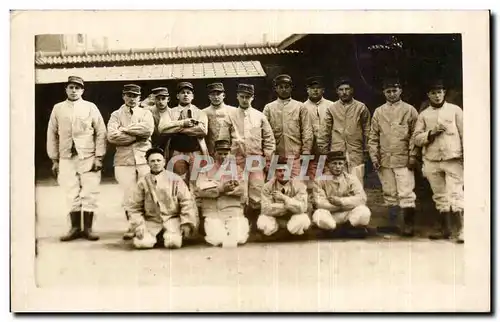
(232, 69)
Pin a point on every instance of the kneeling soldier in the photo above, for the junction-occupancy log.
(222, 200)
(284, 203)
(161, 205)
(340, 199)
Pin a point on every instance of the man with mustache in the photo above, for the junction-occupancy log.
(439, 131)
(346, 128)
(290, 122)
(161, 99)
(76, 144)
(393, 155)
(130, 129)
(216, 113)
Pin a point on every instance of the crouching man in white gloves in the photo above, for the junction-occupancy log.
(283, 203)
(161, 207)
(340, 199)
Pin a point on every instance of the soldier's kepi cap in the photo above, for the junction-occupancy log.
(435, 84)
(335, 155)
(75, 80)
(160, 91)
(183, 85)
(314, 80)
(222, 145)
(391, 82)
(245, 88)
(153, 151)
(282, 79)
(215, 87)
(132, 88)
(343, 81)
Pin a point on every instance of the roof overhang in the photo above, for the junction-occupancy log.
(232, 69)
(290, 40)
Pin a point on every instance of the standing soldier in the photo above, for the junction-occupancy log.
(284, 203)
(439, 131)
(223, 197)
(161, 99)
(216, 113)
(340, 200)
(186, 126)
(76, 143)
(250, 134)
(346, 128)
(161, 206)
(130, 128)
(393, 154)
(290, 122)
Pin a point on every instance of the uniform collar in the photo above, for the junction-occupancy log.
(284, 102)
(398, 103)
(318, 102)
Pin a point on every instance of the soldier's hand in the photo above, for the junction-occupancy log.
(187, 123)
(277, 195)
(438, 129)
(186, 230)
(97, 166)
(376, 165)
(336, 201)
(55, 168)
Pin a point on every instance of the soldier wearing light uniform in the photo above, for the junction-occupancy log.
(161, 207)
(341, 199)
(161, 99)
(394, 156)
(346, 128)
(186, 126)
(76, 144)
(216, 113)
(439, 131)
(130, 129)
(284, 203)
(250, 135)
(290, 122)
(222, 198)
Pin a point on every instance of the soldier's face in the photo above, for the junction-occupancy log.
(74, 91)
(336, 167)
(131, 99)
(436, 96)
(156, 162)
(345, 92)
(393, 94)
(161, 101)
(185, 96)
(280, 174)
(283, 91)
(315, 92)
(221, 155)
(216, 97)
(244, 99)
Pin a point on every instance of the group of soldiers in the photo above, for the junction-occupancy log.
(286, 193)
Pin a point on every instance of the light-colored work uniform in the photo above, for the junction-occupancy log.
(250, 134)
(215, 117)
(353, 197)
(130, 156)
(177, 201)
(317, 112)
(76, 134)
(390, 144)
(443, 157)
(346, 128)
(223, 211)
(290, 214)
(292, 128)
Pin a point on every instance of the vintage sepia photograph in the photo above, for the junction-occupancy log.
(265, 169)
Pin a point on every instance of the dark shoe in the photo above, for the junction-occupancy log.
(445, 225)
(129, 235)
(88, 219)
(409, 222)
(76, 230)
(459, 227)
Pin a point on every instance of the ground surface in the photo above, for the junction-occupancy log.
(318, 267)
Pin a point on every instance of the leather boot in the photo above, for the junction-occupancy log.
(392, 228)
(445, 223)
(409, 222)
(129, 234)
(88, 220)
(76, 230)
(459, 226)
